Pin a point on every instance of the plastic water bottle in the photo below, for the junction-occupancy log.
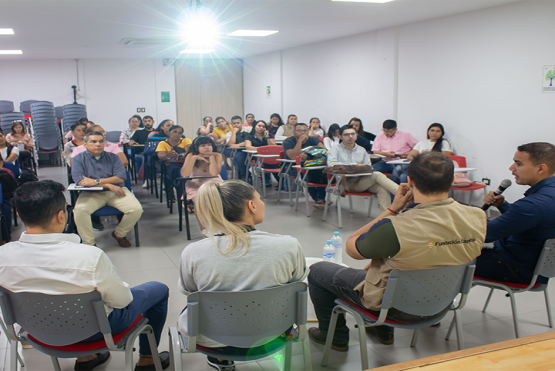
(337, 243)
(329, 252)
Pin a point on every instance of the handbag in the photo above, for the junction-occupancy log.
(341, 170)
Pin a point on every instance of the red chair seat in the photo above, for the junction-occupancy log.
(360, 194)
(316, 184)
(365, 311)
(271, 170)
(517, 285)
(86, 346)
(472, 187)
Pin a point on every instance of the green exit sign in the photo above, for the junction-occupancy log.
(165, 97)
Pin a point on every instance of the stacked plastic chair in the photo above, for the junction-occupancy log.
(46, 130)
(71, 113)
(6, 106)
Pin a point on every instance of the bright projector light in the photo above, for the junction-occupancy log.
(200, 31)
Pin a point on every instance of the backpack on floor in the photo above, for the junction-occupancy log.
(27, 175)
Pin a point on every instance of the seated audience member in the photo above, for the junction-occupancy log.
(285, 131)
(249, 122)
(435, 142)
(203, 159)
(98, 168)
(315, 128)
(332, 137)
(78, 131)
(235, 256)
(237, 138)
(275, 123)
(108, 147)
(348, 152)
(135, 123)
(260, 137)
(174, 144)
(523, 227)
(83, 120)
(140, 136)
(162, 131)
(8, 152)
(399, 239)
(221, 130)
(18, 137)
(393, 144)
(60, 265)
(207, 127)
(363, 138)
(292, 147)
(9, 185)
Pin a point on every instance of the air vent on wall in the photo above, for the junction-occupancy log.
(141, 43)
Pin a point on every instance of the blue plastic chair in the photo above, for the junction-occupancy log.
(109, 210)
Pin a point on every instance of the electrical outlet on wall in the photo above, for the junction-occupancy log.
(486, 181)
(141, 110)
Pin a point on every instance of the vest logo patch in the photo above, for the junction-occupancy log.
(452, 242)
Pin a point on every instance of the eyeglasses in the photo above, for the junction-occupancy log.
(302, 131)
(349, 134)
(389, 131)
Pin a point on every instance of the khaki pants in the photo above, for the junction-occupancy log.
(375, 183)
(89, 202)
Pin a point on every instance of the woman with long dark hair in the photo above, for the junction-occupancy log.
(332, 138)
(285, 131)
(363, 137)
(275, 123)
(235, 256)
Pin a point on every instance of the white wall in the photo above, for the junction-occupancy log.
(478, 73)
(112, 89)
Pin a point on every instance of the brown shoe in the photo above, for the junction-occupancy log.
(121, 240)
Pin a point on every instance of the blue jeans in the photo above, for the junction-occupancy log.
(7, 212)
(240, 158)
(315, 176)
(149, 299)
(384, 167)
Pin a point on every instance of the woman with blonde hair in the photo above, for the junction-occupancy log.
(235, 256)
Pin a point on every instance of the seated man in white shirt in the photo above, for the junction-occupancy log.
(59, 265)
(350, 153)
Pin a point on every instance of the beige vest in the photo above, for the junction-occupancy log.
(288, 130)
(431, 235)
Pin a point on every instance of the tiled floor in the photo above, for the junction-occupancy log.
(158, 259)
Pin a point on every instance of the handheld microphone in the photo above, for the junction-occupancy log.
(502, 187)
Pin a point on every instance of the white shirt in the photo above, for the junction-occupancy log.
(319, 132)
(328, 143)
(4, 152)
(279, 133)
(57, 264)
(427, 145)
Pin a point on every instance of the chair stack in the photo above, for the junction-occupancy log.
(59, 113)
(6, 106)
(71, 113)
(7, 119)
(25, 106)
(45, 129)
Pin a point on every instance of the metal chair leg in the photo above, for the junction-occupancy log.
(338, 201)
(290, 184)
(136, 228)
(154, 349)
(451, 326)
(350, 203)
(370, 206)
(414, 338)
(306, 354)
(307, 200)
(515, 319)
(458, 322)
(55, 363)
(175, 350)
(331, 333)
(548, 307)
(287, 357)
(326, 207)
(487, 301)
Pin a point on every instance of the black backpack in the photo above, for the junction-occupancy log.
(26, 176)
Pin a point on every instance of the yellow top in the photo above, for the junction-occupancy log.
(164, 146)
(218, 133)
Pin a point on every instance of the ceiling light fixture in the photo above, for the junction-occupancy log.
(197, 51)
(365, 1)
(259, 33)
(11, 52)
(6, 31)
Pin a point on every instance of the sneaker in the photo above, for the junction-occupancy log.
(221, 365)
(316, 335)
(97, 224)
(320, 206)
(89, 365)
(383, 333)
(144, 184)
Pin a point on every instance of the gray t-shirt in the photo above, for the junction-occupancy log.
(271, 260)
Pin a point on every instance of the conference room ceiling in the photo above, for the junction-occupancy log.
(78, 29)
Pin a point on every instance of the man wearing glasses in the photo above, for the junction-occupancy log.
(393, 144)
(292, 147)
(348, 152)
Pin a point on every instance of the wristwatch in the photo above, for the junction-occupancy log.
(97, 181)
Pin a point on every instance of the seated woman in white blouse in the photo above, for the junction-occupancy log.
(235, 256)
(435, 142)
(315, 128)
(332, 138)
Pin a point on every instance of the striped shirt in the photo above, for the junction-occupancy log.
(401, 142)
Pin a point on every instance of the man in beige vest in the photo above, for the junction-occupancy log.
(432, 231)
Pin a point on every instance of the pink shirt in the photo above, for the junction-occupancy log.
(401, 142)
(108, 147)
